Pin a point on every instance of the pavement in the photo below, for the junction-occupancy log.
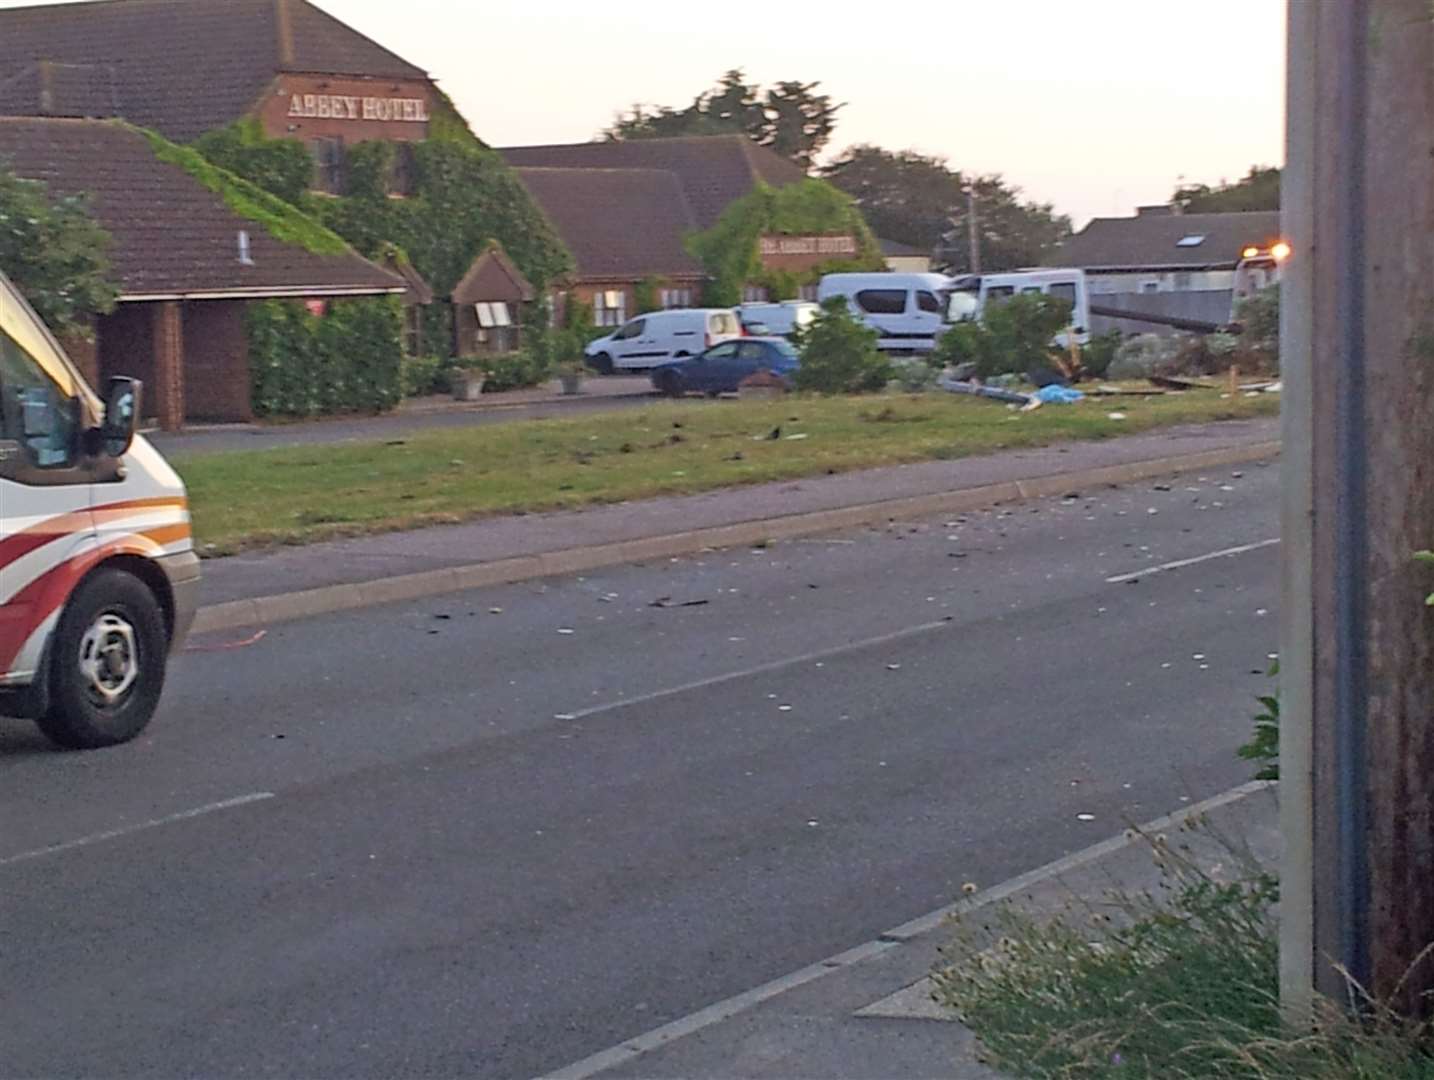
(709, 806)
(598, 394)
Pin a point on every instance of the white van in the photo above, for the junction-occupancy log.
(98, 576)
(909, 311)
(783, 318)
(659, 336)
(991, 289)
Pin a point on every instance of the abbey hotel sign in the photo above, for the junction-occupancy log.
(341, 107)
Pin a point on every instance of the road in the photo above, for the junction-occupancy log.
(490, 834)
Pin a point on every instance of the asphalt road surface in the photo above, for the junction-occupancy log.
(489, 834)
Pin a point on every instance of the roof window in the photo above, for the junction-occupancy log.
(1191, 241)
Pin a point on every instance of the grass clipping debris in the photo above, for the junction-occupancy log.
(1179, 984)
(295, 496)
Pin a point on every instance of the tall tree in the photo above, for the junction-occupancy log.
(919, 200)
(792, 118)
(56, 254)
(1258, 190)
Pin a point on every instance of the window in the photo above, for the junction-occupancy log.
(723, 322)
(751, 350)
(1194, 240)
(882, 301)
(725, 351)
(631, 330)
(755, 294)
(808, 292)
(609, 307)
(999, 294)
(402, 177)
(1064, 290)
(495, 326)
(784, 349)
(927, 301)
(34, 411)
(1031, 290)
(328, 165)
(676, 298)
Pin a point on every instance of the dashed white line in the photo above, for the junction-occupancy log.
(143, 826)
(1150, 571)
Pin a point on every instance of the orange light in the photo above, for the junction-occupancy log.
(1250, 252)
(1281, 251)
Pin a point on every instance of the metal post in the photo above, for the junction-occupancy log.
(973, 228)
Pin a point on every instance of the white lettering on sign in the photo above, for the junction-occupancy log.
(338, 107)
(808, 245)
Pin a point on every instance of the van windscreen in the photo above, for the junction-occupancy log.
(724, 322)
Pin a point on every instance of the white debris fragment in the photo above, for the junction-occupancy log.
(566, 630)
(1085, 817)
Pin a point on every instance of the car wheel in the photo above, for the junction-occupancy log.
(107, 663)
(714, 394)
(670, 383)
(602, 364)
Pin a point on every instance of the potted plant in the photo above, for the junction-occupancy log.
(568, 360)
(570, 374)
(467, 383)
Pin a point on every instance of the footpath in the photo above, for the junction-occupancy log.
(265, 587)
(868, 1014)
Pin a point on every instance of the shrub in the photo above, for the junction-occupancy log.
(421, 375)
(839, 354)
(514, 371)
(1141, 356)
(1099, 353)
(349, 360)
(913, 375)
(1011, 338)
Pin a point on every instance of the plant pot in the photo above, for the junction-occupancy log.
(467, 385)
(572, 383)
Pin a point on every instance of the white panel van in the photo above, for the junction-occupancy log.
(659, 336)
(907, 310)
(98, 575)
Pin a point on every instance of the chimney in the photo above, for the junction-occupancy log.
(1159, 210)
(284, 27)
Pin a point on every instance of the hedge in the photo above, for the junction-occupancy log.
(349, 360)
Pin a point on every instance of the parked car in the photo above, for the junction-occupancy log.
(98, 575)
(722, 368)
(652, 339)
(781, 319)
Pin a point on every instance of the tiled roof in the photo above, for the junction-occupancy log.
(618, 223)
(171, 236)
(1153, 241)
(181, 67)
(493, 276)
(714, 170)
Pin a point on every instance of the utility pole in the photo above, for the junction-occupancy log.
(1357, 655)
(973, 228)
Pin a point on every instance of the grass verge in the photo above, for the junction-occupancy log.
(294, 496)
(1181, 984)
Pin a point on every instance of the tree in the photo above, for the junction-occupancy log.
(1259, 190)
(791, 117)
(1011, 337)
(839, 353)
(56, 254)
(919, 200)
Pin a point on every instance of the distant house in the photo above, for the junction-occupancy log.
(186, 266)
(1162, 250)
(625, 210)
(905, 259)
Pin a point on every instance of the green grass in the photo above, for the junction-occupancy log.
(1179, 984)
(293, 496)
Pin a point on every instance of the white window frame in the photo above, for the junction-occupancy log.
(610, 307)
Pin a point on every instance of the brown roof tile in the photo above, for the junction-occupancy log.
(1152, 241)
(618, 223)
(714, 170)
(181, 67)
(171, 236)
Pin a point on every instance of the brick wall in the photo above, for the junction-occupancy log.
(125, 340)
(216, 362)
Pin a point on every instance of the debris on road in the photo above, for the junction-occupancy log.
(1115, 416)
(992, 393)
(668, 602)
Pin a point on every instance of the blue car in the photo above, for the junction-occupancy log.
(721, 368)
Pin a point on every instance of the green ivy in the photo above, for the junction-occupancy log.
(282, 167)
(349, 360)
(646, 296)
(247, 199)
(729, 251)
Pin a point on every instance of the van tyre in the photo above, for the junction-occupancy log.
(107, 663)
(602, 364)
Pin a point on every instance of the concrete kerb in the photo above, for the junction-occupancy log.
(286, 607)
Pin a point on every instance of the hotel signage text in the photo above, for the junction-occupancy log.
(341, 107)
(809, 245)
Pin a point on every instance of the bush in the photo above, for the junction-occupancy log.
(839, 354)
(349, 360)
(422, 375)
(1011, 338)
(912, 374)
(1141, 356)
(1099, 353)
(513, 371)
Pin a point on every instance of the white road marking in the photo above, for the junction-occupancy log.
(630, 1049)
(1121, 579)
(143, 826)
(760, 669)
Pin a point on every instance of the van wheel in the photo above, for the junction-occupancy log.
(602, 364)
(107, 663)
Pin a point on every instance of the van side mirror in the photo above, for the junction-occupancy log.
(122, 411)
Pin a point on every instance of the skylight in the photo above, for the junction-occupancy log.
(1193, 240)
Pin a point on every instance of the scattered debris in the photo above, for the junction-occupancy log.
(495, 611)
(798, 437)
(1115, 416)
(1056, 394)
(229, 646)
(1085, 817)
(668, 602)
(1171, 382)
(978, 390)
(566, 630)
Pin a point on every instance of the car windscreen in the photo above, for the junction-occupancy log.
(724, 322)
(784, 349)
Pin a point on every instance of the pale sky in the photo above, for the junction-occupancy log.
(1094, 105)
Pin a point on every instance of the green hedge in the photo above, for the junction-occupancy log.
(349, 360)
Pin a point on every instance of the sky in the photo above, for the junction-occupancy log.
(1096, 106)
